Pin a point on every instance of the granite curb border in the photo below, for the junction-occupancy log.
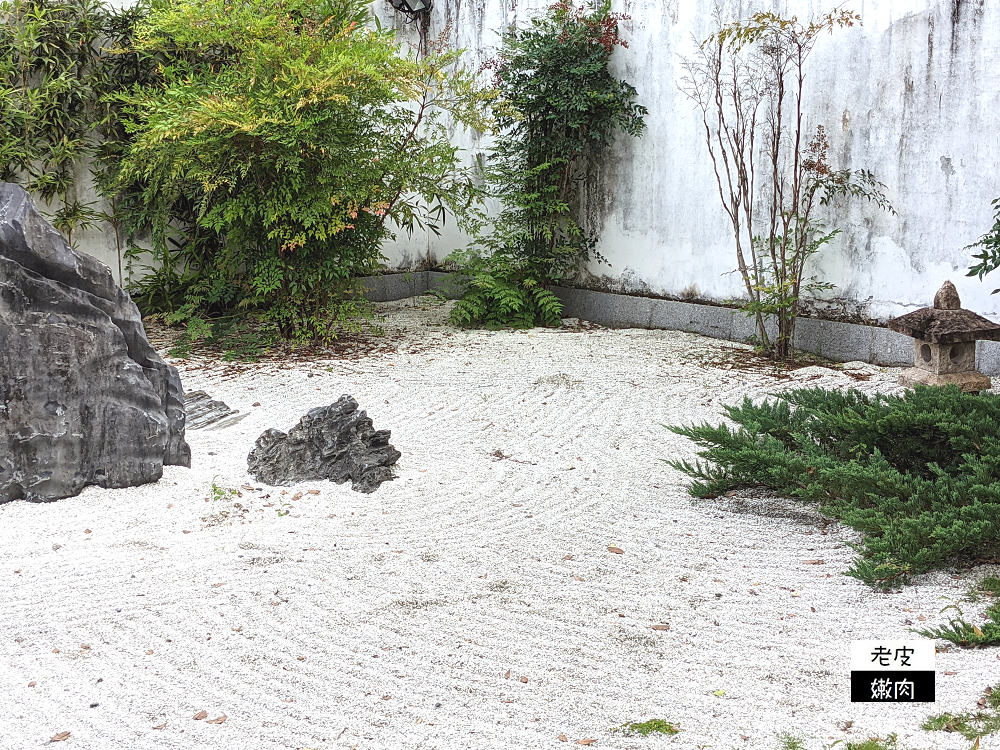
(841, 342)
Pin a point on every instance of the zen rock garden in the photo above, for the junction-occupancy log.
(497, 375)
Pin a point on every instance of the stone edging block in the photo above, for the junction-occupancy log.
(842, 342)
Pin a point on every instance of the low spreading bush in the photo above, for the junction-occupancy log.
(918, 475)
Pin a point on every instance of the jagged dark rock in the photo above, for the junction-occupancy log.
(84, 398)
(335, 442)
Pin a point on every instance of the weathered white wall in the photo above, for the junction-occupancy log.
(913, 95)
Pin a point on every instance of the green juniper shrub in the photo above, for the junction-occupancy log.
(918, 475)
(289, 136)
(558, 107)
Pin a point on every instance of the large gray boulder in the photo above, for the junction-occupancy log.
(84, 397)
(335, 442)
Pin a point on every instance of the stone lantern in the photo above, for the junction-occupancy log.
(945, 346)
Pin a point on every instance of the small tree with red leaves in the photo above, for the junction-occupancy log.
(748, 82)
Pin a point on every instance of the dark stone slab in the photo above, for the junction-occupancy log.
(448, 285)
(335, 442)
(716, 322)
(204, 412)
(84, 397)
(605, 308)
(393, 286)
(841, 342)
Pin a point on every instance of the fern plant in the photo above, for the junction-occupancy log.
(918, 475)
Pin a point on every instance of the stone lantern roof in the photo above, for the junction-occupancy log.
(947, 322)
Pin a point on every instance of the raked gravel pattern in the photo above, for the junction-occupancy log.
(472, 602)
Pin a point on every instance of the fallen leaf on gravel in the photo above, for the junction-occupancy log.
(162, 726)
(524, 679)
(185, 532)
(719, 693)
(18, 570)
(386, 697)
(585, 742)
(617, 551)
(982, 701)
(296, 496)
(32, 683)
(149, 653)
(506, 675)
(563, 738)
(313, 492)
(577, 578)
(200, 715)
(171, 505)
(977, 631)
(951, 672)
(665, 626)
(216, 585)
(796, 593)
(60, 737)
(87, 531)
(921, 618)
(568, 557)
(814, 562)
(301, 658)
(256, 403)
(217, 719)
(55, 651)
(85, 646)
(247, 487)
(237, 630)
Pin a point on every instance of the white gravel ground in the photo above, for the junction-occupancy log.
(393, 620)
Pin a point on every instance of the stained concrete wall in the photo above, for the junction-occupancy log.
(913, 95)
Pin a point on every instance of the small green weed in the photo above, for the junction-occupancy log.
(646, 728)
(965, 634)
(221, 493)
(972, 726)
(874, 743)
(791, 742)
(788, 741)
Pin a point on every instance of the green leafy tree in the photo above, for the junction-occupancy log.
(295, 132)
(558, 108)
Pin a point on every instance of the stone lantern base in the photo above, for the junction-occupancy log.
(970, 381)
